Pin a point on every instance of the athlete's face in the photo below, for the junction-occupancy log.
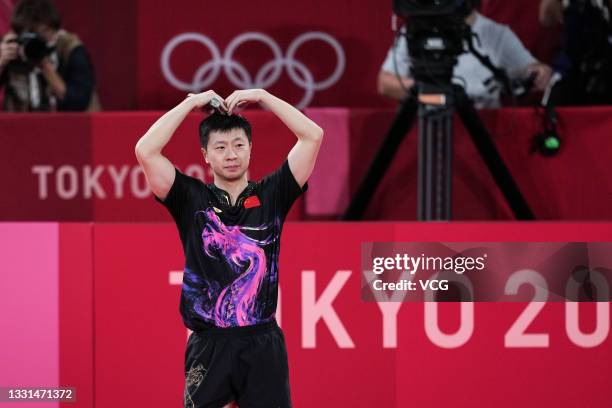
(228, 154)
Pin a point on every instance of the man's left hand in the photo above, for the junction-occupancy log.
(243, 97)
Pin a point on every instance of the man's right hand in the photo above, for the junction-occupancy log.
(203, 99)
(8, 49)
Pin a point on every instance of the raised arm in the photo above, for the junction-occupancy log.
(158, 170)
(303, 155)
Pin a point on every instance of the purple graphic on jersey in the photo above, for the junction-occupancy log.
(235, 303)
(200, 293)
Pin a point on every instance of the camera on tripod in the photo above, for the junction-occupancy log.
(436, 33)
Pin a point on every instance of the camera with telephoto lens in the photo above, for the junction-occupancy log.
(34, 47)
(436, 32)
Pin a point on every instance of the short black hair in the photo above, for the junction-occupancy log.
(220, 122)
(28, 13)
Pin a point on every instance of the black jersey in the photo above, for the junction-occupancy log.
(231, 252)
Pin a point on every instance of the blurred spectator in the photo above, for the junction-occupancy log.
(498, 42)
(585, 63)
(42, 67)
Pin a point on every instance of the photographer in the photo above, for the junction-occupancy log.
(585, 62)
(42, 67)
(494, 40)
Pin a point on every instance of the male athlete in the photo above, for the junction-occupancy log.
(230, 230)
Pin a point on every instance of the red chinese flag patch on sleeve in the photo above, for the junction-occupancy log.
(251, 202)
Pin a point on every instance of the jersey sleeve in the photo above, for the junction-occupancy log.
(180, 197)
(285, 188)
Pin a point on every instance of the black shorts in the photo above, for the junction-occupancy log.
(247, 365)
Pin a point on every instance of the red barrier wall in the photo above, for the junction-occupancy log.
(122, 343)
(342, 351)
(79, 167)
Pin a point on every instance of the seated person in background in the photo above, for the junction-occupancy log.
(585, 62)
(496, 41)
(42, 67)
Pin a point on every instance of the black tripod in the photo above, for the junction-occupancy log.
(435, 105)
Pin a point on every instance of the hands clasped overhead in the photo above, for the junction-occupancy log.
(238, 99)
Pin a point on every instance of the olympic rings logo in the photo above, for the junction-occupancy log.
(267, 75)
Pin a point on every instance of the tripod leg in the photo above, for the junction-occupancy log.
(482, 140)
(435, 163)
(401, 124)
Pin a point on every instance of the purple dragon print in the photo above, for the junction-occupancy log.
(235, 302)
